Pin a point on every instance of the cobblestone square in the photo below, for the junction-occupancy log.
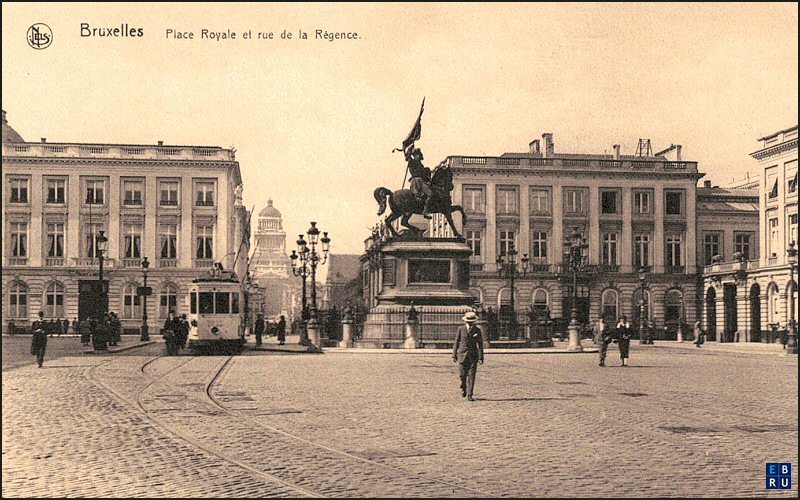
(675, 423)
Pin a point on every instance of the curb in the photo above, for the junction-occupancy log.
(120, 349)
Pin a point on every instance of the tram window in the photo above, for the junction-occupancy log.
(206, 302)
(222, 303)
(193, 296)
(235, 303)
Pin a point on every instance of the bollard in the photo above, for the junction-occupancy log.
(347, 332)
(314, 333)
(411, 329)
(680, 334)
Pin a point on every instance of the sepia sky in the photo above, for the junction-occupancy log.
(314, 121)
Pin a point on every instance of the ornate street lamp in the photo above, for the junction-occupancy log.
(740, 278)
(314, 259)
(642, 318)
(145, 336)
(101, 245)
(575, 257)
(791, 342)
(302, 272)
(507, 269)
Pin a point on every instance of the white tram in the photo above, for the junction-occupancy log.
(216, 311)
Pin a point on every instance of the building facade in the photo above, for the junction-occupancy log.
(634, 213)
(746, 296)
(178, 206)
(270, 266)
(343, 282)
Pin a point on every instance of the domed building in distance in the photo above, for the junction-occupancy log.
(270, 266)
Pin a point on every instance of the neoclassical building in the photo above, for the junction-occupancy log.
(633, 211)
(270, 267)
(178, 206)
(746, 295)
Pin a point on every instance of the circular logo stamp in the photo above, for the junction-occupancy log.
(40, 36)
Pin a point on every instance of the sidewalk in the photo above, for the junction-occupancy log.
(727, 347)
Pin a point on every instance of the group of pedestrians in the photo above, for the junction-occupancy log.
(277, 328)
(176, 331)
(620, 335)
(100, 330)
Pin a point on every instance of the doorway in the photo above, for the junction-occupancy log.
(711, 314)
(755, 313)
(731, 318)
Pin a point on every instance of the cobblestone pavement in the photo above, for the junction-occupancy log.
(675, 423)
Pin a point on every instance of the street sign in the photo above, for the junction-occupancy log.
(144, 290)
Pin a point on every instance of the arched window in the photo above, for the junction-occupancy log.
(673, 307)
(637, 305)
(773, 303)
(610, 305)
(54, 300)
(167, 301)
(541, 301)
(130, 302)
(18, 300)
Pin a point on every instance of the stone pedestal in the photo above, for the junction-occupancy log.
(680, 334)
(314, 333)
(574, 336)
(347, 334)
(411, 333)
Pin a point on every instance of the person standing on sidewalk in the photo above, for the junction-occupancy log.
(605, 336)
(699, 334)
(183, 330)
(171, 327)
(259, 328)
(468, 352)
(39, 339)
(624, 334)
(281, 331)
(85, 328)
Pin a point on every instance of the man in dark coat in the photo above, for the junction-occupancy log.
(85, 329)
(183, 331)
(624, 334)
(259, 328)
(282, 331)
(39, 340)
(468, 352)
(114, 327)
(171, 329)
(76, 326)
(604, 337)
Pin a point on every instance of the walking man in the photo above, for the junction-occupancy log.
(281, 331)
(624, 334)
(39, 340)
(259, 328)
(605, 336)
(699, 334)
(468, 352)
(183, 330)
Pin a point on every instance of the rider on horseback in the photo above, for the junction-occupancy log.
(420, 178)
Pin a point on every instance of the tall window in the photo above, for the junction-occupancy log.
(540, 201)
(610, 249)
(205, 242)
(168, 301)
(641, 250)
(18, 300)
(575, 201)
(168, 241)
(474, 242)
(56, 191)
(506, 242)
(641, 202)
(130, 302)
(132, 193)
(674, 253)
(169, 193)
(19, 191)
(133, 241)
(711, 245)
(774, 242)
(473, 199)
(19, 239)
(540, 301)
(539, 246)
(204, 194)
(610, 305)
(674, 202)
(92, 231)
(55, 239)
(95, 190)
(773, 303)
(609, 203)
(793, 228)
(742, 245)
(506, 200)
(54, 301)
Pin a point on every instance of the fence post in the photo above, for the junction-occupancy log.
(411, 329)
(347, 328)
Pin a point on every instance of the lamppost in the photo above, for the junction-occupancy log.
(302, 272)
(314, 259)
(575, 256)
(145, 335)
(507, 269)
(740, 278)
(791, 342)
(642, 319)
(101, 243)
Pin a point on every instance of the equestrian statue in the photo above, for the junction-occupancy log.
(428, 193)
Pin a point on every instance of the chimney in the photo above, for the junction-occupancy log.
(160, 143)
(616, 151)
(678, 152)
(44, 139)
(534, 148)
(549, 147)
(706, 184)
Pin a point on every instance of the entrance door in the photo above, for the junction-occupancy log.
(90, 298)
(711, 314)
(755, 313)
(731, 319)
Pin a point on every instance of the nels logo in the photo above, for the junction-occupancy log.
(40, 36)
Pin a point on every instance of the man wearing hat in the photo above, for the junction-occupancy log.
(468, 352)
(39, 340)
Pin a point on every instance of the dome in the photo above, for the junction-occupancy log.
(269, 210)
(9, 134)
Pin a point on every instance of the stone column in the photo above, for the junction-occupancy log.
(314, 333)
(411, 329)
(574, 334)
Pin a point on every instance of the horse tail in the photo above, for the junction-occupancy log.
(380, 196)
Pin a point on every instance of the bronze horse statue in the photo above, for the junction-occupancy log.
(404, 204)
